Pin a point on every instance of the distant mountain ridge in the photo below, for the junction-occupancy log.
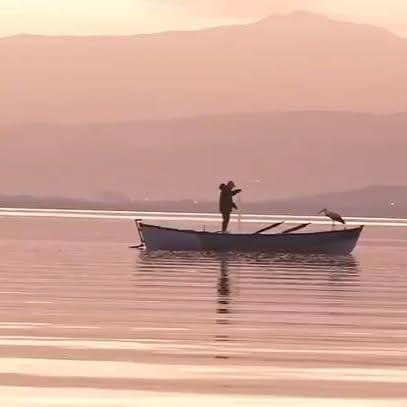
(300, 61)
(270, 155)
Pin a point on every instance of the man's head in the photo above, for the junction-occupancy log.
(231, 185)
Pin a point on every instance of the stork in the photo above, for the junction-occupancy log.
(334, 216)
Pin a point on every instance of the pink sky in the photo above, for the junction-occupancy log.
(115, 17)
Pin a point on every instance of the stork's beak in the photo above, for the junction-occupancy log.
(320, 211)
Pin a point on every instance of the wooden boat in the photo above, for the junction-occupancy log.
(330, 242)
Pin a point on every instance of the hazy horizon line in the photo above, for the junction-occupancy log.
(96, 200)
(203, 116)
(196, 216)
(335, 18)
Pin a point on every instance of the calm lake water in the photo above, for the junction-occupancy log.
(86, 321)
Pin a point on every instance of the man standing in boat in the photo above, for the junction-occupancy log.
(226, 204)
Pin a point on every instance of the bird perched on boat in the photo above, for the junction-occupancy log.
(333, 215)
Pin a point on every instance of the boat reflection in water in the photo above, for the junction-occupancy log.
(248, 286)
(227, 313)
(289, 269)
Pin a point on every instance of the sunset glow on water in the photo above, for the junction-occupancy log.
(86, 321)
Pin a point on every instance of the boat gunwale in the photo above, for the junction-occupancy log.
(203, 232)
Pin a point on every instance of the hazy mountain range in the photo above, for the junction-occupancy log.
(300, 61)
(91, 98)
(270, 155)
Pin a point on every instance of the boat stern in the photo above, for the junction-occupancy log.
(160, 238)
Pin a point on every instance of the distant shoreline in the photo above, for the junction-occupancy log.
(374, 201)
(181, 217)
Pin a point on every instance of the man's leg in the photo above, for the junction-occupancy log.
(226, 218)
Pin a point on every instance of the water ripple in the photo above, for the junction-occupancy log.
(100, 316)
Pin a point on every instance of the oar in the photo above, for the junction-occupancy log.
(274, 225)
(295, 228)
(139, 246)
